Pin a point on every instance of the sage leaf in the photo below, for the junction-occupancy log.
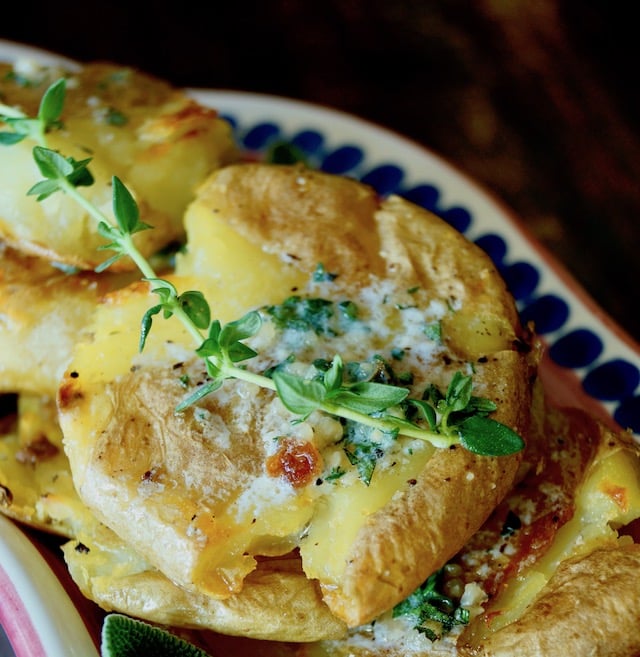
(128, 637)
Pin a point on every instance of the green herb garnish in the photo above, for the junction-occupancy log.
(115, 117)
(303, 314)
(434, 331)
(284, 152)
(456, 417)
(362, 450)
(432, 612)
(321, 275)
(127, 637)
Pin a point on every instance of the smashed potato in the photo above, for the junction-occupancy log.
(585, 488)
(303, 556)
(156, 139)
(234, 514)
(210, 483)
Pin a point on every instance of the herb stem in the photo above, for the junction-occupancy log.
(388, 426)
(11, 112)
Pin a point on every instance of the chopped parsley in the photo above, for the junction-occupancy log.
(321, 316)
(361, 449)
(321, 275)
(432, 612)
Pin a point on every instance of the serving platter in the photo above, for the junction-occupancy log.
(589, 362)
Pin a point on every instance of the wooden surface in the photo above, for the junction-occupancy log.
(536, 100)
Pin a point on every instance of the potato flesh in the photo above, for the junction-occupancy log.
(278, 602)
(36, 487)
(109, 357)
(340, 516)
(211, 259)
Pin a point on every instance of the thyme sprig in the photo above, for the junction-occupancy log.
(456, 417)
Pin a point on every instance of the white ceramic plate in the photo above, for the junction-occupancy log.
(590, 362)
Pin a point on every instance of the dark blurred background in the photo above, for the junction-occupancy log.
(536, 100)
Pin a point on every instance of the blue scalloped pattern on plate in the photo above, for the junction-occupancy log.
(612, 381)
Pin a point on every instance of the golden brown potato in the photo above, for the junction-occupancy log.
(210, 483)
(43, 311)
(553, 566)
(579, 472)
(156, 139)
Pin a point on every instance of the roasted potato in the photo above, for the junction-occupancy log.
(540, 552)
(43, 311)
(156, 139)
(209, 483)
(277, 601)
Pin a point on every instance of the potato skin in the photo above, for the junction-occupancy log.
(277, 602)
(300, 214)
(591, 606)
